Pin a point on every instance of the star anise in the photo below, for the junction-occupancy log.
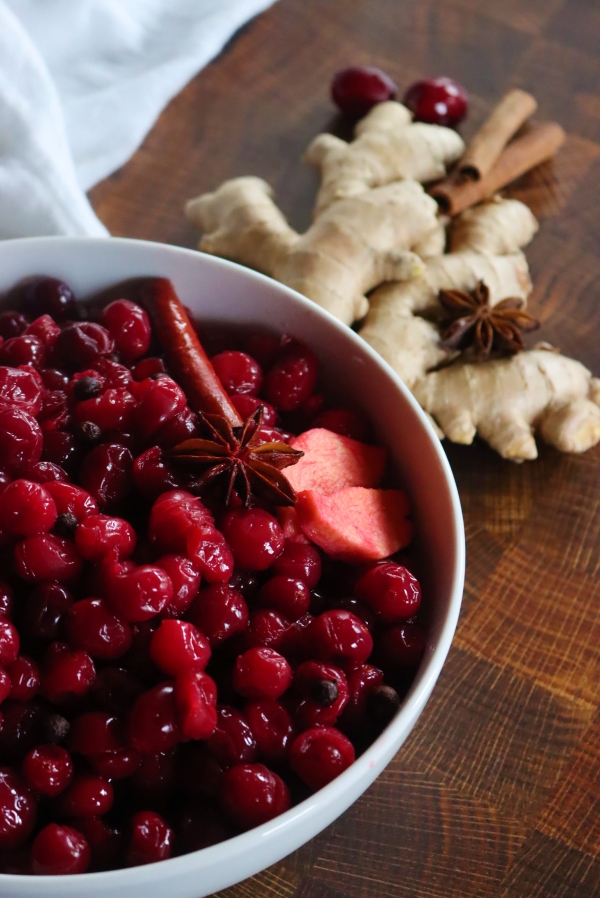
(473, 322)
(250, 465)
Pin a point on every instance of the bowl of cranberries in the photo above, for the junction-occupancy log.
(231, 566)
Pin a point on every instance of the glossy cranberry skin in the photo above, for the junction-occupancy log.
(320, 754)
(45, 610)
(238, 372)
(9, 643)
(45, 295)
(155, 776)
(17, 810)
(5, 685)
(92, 626)
(20, 389)
(252, 794)
(20, 729)
(26, 508)
(59, 448)
(45, 329)
(232, 741)
(341, 638)
(346, 422)
(151, 839)
(219, 611)
(7, 600)
(112, 410)
(299, 561)
(400, 647)
(24, 677)
(185, 578)
(254, 536)
(115, 765)
(266, 628)
(12, 324)
(196, 697)
(47, 557)
(148, 367)
(22, 439)
(24, 350)
(67, 674)
(271, 727)
(140, 593)
(292, 378)
(154, 724)
(106, 474)
(153, 474)
(115, 690)
(173, 516)
(178, 645)
(95, 732)
(357, 89)
(361, 681)
(247, 405)
(47, 769)
(100, 534)
(437, 101)
(285, 594)
(182, 426)
(129, 326)
(81, 345)
(105, 842)
(162, 400)
(390, 590)
(322, 694)
(45, 472)
(87, 796)
(261, 673)
(71, 499)
(208, 549)
(59, 851)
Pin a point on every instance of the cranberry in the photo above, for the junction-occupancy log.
(173, 516)
(45, 295)
(113, 410)
(24, 350)
(26, 508)
(54, 379)
(24, 677)
(232, 741)
(263, 347)
(151, 839)
(5, 685)
(182, 426)
(322, 691)
(9, 643)
(99, 534)
(320, 754)
(94, 732)
(261, 673)
(155, 775)
(247, 405)
(153, 725)
(254, 536)
(266, 628)
(300, 561)
(12, 324)
(345, 422)
(45, 329)
(22, 439)
(292, 378)
(20, 729)
(106, 474)
(45, 472)
(92, 627)
(437, 101)
(47, 769)
(45, 609)
(6, 600)
(150, 367)
(20, 389)
(219, 611)
(196, 697)
(288, 596)
(238, 372)
(59, 851)
(162, 400)
(71, 499)
(178, 645)
(81, 345)
(271, 727)
(60, 448)
(401, 647)
(17, 810)
(104, 841)
(252, 794)
(154, 475)
(209, 551)
(140, 593)
(357, 89)
(47, 557)
(185, 578)
(341, 638)
(390, 590)
(114, 690)
(67, 674)
(295, 640)
(115, 765)
(129, 325)
(361, 682)
(87, 796)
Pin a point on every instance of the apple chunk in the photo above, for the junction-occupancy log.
(332, 462)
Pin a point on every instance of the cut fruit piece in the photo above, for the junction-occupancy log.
(332, 462)
(288, 521)
(356, 524)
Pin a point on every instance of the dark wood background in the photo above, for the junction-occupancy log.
(497, 791)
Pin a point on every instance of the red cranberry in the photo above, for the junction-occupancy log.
(266, 628)
(140, 593)
(87, 796)
(151, 839)
(300, 561)
(400, 647)
(162, 400)
(437, 101)
(252, 794)
(12, 324)
(47, 769)
(271, 727)
(46, 557)
(149, 367)
(45, 295)
(20, 729)
(5, 685)
(45, 609)
(288, 596)
(20, 389)
(361, 682)
(196, 697)
(319, 755)
(9, 643)
(295, 641)
(71, 499)
(357, 89)
(182, 426)
(292, 378)
(26, 508)
(129, 325)
(322, 692)
(115, 765)
(341, 638)
(6, 600)
(238, 372)
(345, 422)
(178, 645)
(67, 674)
(114, 690)
(92, 627)
(261, 673)
(17, 810)
(185, 578)
(45, 472)
(59, 851)
(99, 534)
(115, 376)
(106, 474)
(59, 448)
(45, 329)
(22, 439)
(154, 475)
(232, 741)
(390, 590)
(54, 379)
(172, 517)
(247, 405)
(24, 677)
(113, 410)
(209, 551)
(24, 350)
(81, 345)
(153, 725)
(104, 841)
(254, 536)
(263, 347)
(155, 775)
(219, 611)
(94, 732)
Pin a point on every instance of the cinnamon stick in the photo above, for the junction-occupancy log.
(454, 196)
(185, 356)
(482, 153)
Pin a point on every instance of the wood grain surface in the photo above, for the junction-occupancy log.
(497, 791)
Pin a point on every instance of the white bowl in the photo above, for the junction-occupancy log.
(216, 289)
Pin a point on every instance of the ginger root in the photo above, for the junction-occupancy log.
(353, 246)
(387, 147)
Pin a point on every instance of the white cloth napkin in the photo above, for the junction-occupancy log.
(81, 83)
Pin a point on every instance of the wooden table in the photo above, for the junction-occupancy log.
(497, 791)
